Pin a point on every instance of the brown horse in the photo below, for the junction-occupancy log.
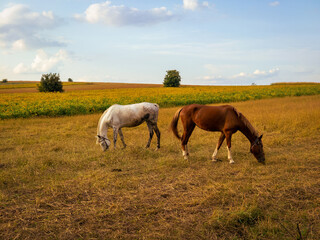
(225, 119)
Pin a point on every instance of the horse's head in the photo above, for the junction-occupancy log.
(257, 150)
(104, 142)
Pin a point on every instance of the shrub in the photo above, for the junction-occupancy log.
(172, 79)
(50, 83)
(4, 80)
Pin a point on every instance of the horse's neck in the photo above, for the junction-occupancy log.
(248, 130)
(102, 128)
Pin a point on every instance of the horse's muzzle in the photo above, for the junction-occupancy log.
(261, 159)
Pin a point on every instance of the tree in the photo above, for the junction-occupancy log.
(50, 83)
(172, 79)
(4, 80)
(70, 80)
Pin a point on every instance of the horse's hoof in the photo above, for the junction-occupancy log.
(231, 162)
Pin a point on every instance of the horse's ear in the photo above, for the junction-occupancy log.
(260, 137)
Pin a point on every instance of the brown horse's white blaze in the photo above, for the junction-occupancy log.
(225, 119)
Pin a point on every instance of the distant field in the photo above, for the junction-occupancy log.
(32, 84)
(294, 83)
(15, 105)
(31, 87)
(55, 183)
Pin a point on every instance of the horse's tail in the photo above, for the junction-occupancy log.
(174, 123)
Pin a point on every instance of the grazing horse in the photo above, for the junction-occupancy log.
(119, 116)
(225, 119)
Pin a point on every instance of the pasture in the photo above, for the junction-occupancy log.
(57, 184)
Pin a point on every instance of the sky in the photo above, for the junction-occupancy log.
(210, 42)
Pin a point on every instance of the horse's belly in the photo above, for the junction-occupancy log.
(133, 123)
(209, 122)
(208, 127)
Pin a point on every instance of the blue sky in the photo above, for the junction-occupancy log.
(209, 42)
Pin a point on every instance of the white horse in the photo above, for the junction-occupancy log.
(119, 116)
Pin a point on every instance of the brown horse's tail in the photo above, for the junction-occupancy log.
(174, 123)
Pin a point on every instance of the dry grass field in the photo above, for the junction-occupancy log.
(55, 183)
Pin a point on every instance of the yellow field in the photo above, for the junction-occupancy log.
(55, 183)
(15, 105)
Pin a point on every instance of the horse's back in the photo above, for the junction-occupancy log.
(131, 115)
(205, 111)
(145, 106)
(151, 107)
(210, 118)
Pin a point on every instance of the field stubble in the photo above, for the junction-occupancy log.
(56, 183)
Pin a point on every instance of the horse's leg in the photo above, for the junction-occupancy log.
(228, 139)
(187, 149)
(157, 131)
(150, 128)
(221, 139)
(115, 136)
(122, 138)
(188, 129)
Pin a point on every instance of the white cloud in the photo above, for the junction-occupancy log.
(194, 4)
(112, 15)
(20, 27)
(21, 68)
(190, 4)
(218, 74)
(274, 4)
(240, 75)
(210, 79)
(19, 45)
(42, 62)
(205, 4)
(257, 74)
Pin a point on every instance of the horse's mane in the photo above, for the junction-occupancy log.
(246, 123)
(100, 122)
